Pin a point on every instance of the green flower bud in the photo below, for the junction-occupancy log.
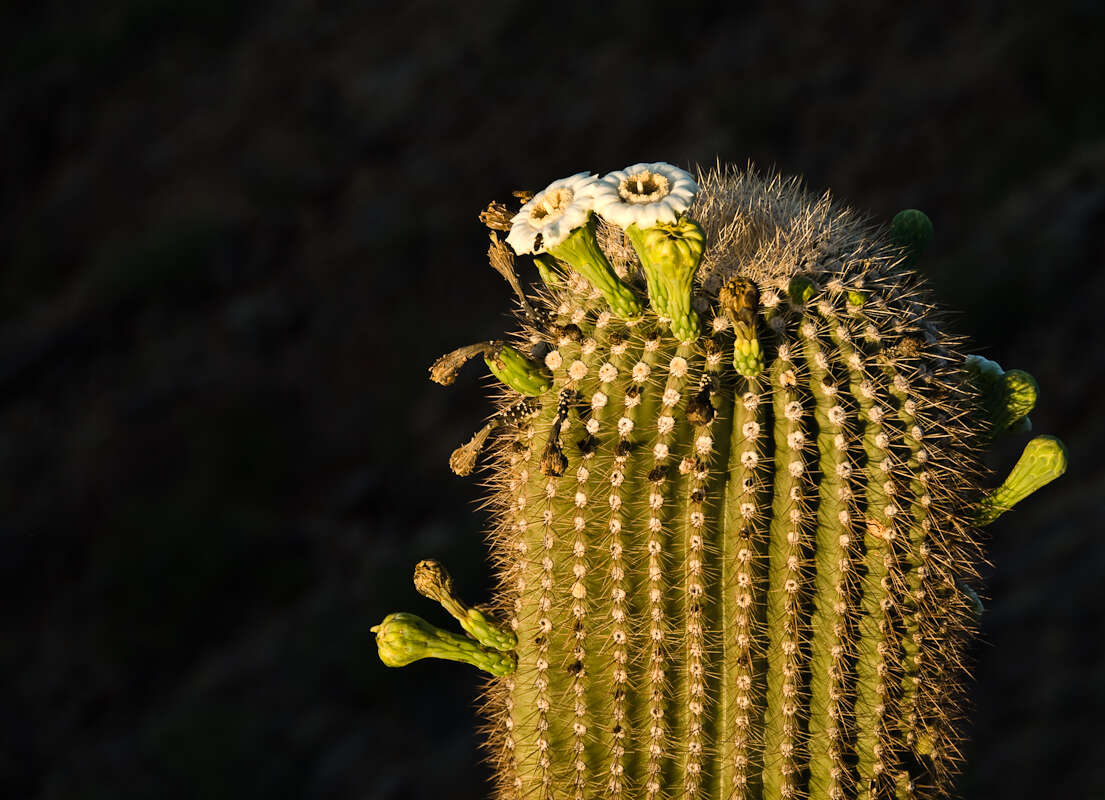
(1044, 459)
(748, 357)
(404, 638)
(1018, 398)
(517, 371)
(801, 289)
(912, 231)
(740, 301)
(1008, 396)
(670, 254)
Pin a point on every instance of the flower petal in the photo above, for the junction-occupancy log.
(681, 190)
(573, 204)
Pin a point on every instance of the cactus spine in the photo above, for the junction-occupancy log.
(735, 522)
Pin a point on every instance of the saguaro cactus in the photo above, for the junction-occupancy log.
(736, 487)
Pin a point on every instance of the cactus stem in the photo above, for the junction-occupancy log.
(624, 392)
(649, 675)
(664, 546)
(711, 436)
(783, 718)
(589, 690)
(724, 583)
(687, 599)
(829, 648)
(918, 555)
(743, 555)
(876, 649)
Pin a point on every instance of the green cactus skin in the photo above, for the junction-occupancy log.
(737, 555)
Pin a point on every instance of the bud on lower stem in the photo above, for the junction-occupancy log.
(405, 638)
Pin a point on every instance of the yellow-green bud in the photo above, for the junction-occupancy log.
(1044, 459)
(670, 254)
(404, 638)
(801, 289)
(1019, 393)
(911, 230)
(1008, 396)
(748, 358)
(518, 372)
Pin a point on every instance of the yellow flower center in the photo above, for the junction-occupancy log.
(551, 206)
(644, 187)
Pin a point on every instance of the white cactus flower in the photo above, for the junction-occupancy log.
(644, 195)
(553, 213)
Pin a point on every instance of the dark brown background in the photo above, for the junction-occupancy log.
(234, 236)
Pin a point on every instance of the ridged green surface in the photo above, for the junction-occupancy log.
(738, 582)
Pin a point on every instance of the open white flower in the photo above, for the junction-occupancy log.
(644, 194)
(553, 213)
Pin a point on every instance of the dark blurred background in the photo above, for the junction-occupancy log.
(234, 236)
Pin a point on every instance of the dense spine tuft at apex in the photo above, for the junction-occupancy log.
(736, 481)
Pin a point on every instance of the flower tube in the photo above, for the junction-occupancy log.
(558, 220)
(649, 202)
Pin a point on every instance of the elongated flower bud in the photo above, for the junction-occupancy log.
(1044, 459)
(740, 301)
(405, 638)
(518, 372)
(669, 257)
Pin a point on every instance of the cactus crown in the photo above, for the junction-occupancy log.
(736, 487)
